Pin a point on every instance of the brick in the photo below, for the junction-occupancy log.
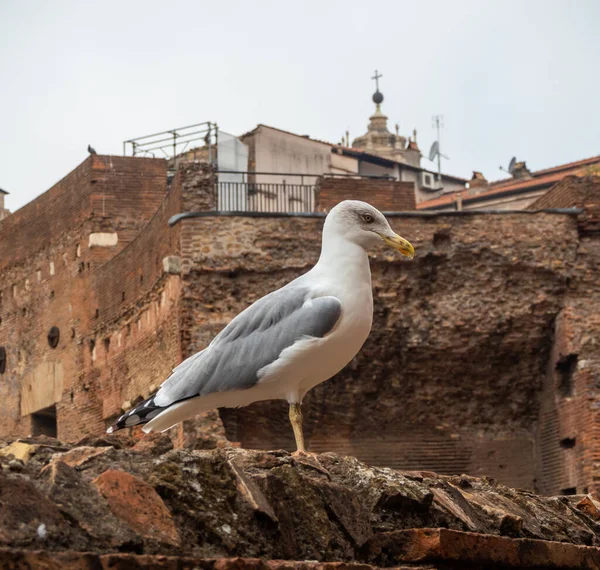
(386, 195)
(137, 503)
(451, 546)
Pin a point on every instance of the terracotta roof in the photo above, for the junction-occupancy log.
(570, 165)
(540, 179)
(444, 200)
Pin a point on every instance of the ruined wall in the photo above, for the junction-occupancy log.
(49, 253)
(483, 356)
(133, 339)
(570, 421)
(198, 188)
(449, 379)
(113, 194)
(386, 195)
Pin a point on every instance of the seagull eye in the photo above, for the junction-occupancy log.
(367, 218)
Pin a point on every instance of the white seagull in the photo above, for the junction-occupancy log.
(290, 340)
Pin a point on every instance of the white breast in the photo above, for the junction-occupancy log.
(309, 362)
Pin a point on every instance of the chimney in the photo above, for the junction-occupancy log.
(520, 170)
(477, 184)
(459, 201)
(3, 211)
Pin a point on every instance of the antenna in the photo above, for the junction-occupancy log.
(434, 151)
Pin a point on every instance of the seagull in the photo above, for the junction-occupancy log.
(91, 150)
(290, 340)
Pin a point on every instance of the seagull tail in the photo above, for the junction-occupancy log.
(141, 414)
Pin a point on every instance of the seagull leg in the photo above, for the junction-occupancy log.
(302, 456)
(296, 421)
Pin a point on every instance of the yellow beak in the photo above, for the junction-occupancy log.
(399, 243)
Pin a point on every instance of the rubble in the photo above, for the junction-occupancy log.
(125, 505)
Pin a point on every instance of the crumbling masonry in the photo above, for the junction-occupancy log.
(484, 356)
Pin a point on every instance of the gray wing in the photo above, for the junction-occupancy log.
(252, 340)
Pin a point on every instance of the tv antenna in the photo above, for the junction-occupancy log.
(511, 166)
(434, 151)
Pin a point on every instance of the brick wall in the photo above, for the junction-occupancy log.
(133, 340)
(385, 195)
(48, 278)
(569, 427)
(109, 193)
(575, 192)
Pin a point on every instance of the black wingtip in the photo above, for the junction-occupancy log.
(141, 414)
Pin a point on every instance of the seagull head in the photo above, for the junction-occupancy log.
(365, 226)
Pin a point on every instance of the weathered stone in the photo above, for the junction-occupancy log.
(172, 264)
(205, 431)
(460, 373)
(22, 509)
(453, 547)
(20, 450)
(154, 443)
(590, 507)
(117, 440)
(13, 559)
(251, 492)
(78, 456)
(218, 504)
(85, 507)
(137, 503)
(103, 239)
(15, 465)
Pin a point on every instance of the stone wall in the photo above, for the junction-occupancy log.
(386, 195)
(449, 379)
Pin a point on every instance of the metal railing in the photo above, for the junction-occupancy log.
(265, 197)
(252, 192)
(175, 142)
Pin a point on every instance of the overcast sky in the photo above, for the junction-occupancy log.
(511, 78)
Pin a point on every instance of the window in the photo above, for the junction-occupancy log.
(44, 422)
(54, 337)
(568, 442)
(565, 368)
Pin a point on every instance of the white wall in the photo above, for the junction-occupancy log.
(276, 151)
(341, 164)
(368, 169)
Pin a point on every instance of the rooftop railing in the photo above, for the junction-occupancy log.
(173, 143)
(282, 192)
